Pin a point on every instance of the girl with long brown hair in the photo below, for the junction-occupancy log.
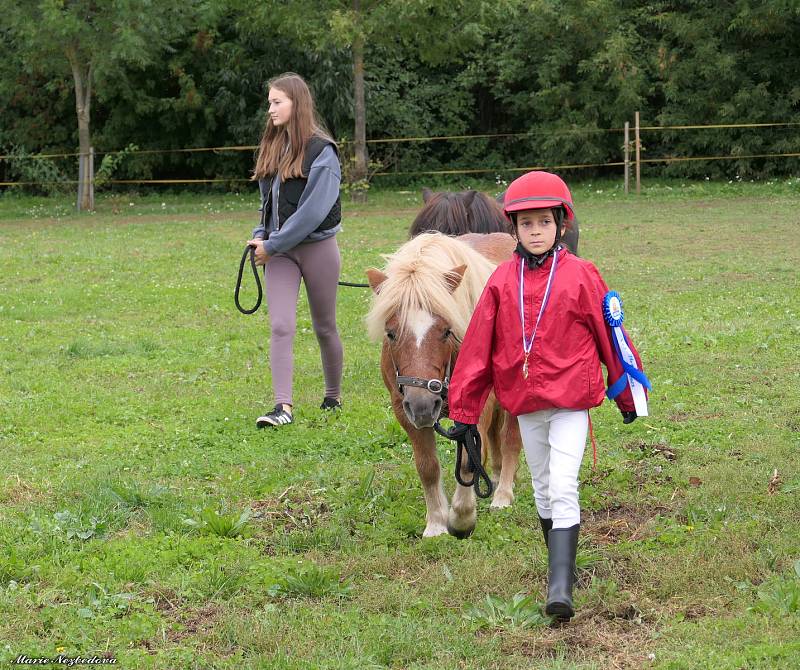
(298, 173)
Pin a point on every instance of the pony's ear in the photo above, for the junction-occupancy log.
(427, 194)
(375, 278)
(453, 277)
(469, 197)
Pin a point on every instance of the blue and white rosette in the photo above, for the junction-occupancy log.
(633, 376)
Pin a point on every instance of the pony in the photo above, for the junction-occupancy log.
(421, 306)
(458, 213)
(462, 212)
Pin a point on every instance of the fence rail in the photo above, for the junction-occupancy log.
(439, 138)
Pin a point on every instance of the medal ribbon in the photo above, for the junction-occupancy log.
(527, 344)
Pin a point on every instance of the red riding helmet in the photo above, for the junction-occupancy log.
(538, 190)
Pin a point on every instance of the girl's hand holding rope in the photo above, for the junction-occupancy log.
(261, 256)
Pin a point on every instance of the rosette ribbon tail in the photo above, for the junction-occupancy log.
(633, 376)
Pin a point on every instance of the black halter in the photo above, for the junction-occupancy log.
(436, 386)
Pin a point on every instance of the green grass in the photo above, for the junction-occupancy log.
(142, 515)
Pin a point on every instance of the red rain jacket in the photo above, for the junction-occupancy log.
(564, 363)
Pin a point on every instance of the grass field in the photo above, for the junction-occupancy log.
(142, 517)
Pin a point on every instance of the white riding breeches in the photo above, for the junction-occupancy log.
(554, 441)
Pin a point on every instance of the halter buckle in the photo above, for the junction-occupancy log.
(434, 386)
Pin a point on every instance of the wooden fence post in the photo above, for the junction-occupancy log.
(80, 180)
(638, 156)
(627, 149)
(91, 178)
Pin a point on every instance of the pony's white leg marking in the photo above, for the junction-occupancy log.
(436, 517)
(504, 491)
(504, 494)
(510, 447)
(502, 479)
(430, 475)
(463, 512)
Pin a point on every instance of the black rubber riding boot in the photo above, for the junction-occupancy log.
(562, 548)
(547, 525)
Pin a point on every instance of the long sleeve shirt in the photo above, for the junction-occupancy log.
(572, 340)
(319, 196)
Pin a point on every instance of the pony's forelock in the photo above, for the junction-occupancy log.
(417, 279)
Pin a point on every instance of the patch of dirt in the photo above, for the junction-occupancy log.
(137, 526)
(294, 509)
(194, 622)
(19, 492)
(183, 622)
(165, 599)
(621, 522)
(653, 449)
(698, 611)
(617, 643)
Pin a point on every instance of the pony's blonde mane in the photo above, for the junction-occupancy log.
(417, 275)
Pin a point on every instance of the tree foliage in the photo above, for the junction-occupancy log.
(559, 72)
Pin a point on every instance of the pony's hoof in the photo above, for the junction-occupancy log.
(501, 503)
(460, 533)
(435, 531)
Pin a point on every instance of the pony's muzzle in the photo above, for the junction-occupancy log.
(422, 407)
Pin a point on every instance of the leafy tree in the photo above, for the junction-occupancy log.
(211, 92)
(94, 42)
(722, 64)
(433, 30)
(33, 117)
(560, 71)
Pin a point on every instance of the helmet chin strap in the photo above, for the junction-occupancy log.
(533, 260)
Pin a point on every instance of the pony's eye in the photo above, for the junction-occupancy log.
(391, 335)
(447, 333)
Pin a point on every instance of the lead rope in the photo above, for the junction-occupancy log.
(252, 252)
(469, 439)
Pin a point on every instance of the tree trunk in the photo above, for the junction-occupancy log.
(359, 176)
(82, 74)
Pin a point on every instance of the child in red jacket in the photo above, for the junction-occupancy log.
(543, 325)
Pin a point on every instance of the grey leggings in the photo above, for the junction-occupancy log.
(318, 263)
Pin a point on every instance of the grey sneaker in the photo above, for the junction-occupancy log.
(277, 417)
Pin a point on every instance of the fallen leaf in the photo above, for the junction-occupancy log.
(774, 483)
(667, 453)
(695, 481)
